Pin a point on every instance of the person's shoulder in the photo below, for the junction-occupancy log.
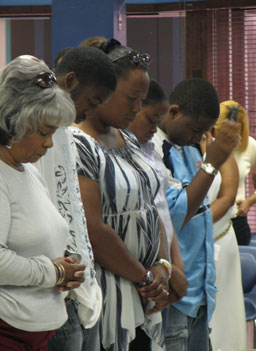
(251, 148)
(61, 135)
(32, 169)
(3, 175)
(8, 174)
(158, 140)
(251, 151)
(6, 188)
(252, 141)
(129, 136)
(76, 131)
(195, 148)
(38, 180)
(81, 136)
(158, 136)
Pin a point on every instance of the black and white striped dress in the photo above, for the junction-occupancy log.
(127, 186)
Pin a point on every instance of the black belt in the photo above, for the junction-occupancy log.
(202, 209)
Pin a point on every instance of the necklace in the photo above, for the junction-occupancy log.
(18, 166)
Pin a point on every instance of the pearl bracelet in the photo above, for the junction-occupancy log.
(167, 265)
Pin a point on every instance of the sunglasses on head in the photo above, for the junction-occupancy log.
(136, 58)
(45, 80)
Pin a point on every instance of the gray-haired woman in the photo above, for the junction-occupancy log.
(33, 271)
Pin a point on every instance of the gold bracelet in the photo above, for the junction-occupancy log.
(63, 273)
(60, 272)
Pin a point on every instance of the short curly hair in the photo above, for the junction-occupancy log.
(196, 97)
(91, 66)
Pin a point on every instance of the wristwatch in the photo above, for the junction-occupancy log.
(148, 278)
(209, 169)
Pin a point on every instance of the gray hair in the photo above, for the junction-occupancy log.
(24, 105)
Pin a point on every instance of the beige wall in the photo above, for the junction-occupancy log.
(164, 39)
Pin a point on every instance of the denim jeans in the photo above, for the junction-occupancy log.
(72, 336)
(184, 333)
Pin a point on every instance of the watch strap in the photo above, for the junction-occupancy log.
(209, 169)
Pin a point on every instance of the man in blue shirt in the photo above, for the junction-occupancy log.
(193, 110)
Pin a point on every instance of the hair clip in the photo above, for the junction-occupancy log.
(233, 113)
(45, 80)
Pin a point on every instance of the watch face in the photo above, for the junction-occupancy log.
(150, 277)
(208, 168)
(211, 169)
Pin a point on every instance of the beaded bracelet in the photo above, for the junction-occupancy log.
(167, 265)
(60, 272)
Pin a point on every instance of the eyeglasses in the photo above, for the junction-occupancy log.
(45, 80)
(136, 58)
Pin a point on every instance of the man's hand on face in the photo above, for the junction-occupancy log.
(225, 142)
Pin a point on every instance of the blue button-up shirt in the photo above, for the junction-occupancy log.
(196, 237)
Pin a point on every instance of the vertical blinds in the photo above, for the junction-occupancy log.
(231, 65)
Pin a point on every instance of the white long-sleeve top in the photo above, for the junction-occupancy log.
(32, 232)
(58, 169)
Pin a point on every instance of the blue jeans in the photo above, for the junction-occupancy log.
(72, 336)
(184, 333)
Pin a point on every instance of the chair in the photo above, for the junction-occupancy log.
(248, 267)
(250, 322)
(253, 243)
(247, 249)
(250, 309)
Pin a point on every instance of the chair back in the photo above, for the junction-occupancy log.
(248, 267)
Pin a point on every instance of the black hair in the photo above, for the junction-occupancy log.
(119, 55)
(196, 97)
(155, 94)
(91, 66)
(60, 54)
